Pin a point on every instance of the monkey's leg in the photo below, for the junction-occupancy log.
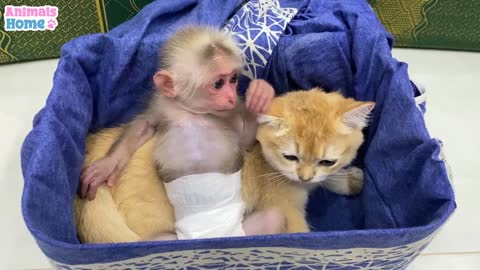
(289, 201)
(164, 237)
(269, 221)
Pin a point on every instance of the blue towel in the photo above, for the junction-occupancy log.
(103, 79)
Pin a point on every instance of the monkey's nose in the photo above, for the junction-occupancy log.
(305, 179)
(232, 102)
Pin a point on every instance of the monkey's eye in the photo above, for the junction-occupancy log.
(218, 84)
(290, 157)
(326, 163)
(234, 78)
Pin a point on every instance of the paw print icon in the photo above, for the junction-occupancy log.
(52, 24)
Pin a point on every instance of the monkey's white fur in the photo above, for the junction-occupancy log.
(186, 53)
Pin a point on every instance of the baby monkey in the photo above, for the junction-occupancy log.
(202, 130)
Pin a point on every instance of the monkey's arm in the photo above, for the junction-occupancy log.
(249, 131)
(108, 168)
(137, 133)
(258, 96)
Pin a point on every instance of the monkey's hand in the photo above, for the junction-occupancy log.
(100, 171)
(259, 96)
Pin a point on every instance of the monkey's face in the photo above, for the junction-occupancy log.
(221, 86)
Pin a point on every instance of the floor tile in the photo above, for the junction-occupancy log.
(447, 262)
(452, 80)
(20, 99)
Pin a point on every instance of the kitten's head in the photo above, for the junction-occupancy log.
(309, 135)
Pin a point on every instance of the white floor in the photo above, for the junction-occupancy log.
(452, 78)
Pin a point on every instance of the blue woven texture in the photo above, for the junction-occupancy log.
(339, 45)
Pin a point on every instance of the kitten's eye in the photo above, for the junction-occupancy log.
(234, 78)
(326, 163)
(291, 157)
(218, 84)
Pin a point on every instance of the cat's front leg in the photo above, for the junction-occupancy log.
(296, 220)
(348, 181)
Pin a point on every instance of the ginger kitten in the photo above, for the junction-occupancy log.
(307, 138)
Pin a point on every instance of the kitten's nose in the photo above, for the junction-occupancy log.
(306, 179)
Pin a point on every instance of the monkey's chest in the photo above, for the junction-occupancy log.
(198, 146)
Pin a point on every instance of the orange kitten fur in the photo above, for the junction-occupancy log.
(313, 126)
(298, 135)
(322, 130)
(136, 208)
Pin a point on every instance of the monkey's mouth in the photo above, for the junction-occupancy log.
(226, 108)
(224, 113)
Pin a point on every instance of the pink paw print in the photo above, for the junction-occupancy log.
(52, 24)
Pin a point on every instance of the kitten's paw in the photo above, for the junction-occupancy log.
(346, 182)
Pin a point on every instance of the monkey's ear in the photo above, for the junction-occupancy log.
(164, 82)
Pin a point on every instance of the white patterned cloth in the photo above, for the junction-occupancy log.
(257, 27)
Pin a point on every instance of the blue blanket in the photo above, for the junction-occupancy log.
(338, 45)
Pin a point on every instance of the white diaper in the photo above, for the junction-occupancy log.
(207, 205)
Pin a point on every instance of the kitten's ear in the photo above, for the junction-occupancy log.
(357, 118)
(164, 83)
(279, 124)
(263, 119)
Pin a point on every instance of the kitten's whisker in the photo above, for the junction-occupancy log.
(281, 179)
(341, 173)
(336, 179)
(273, 177)
(263, 178)
(337, 176)
(275, 180)
(266, 175)
(270, 173)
